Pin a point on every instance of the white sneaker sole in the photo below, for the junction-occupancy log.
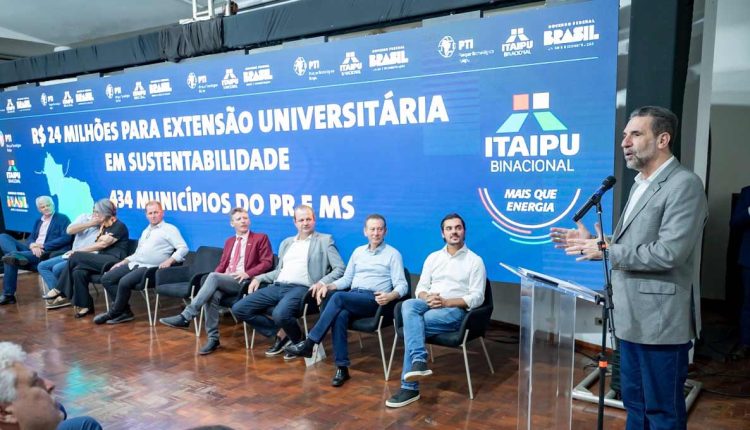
(391, 404)
(416, 375)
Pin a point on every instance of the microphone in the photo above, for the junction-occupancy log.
(607, 183)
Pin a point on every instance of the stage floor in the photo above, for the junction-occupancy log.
(133, 376)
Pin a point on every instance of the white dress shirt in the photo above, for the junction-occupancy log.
(641, 184)
(461, 275)
(294, 267)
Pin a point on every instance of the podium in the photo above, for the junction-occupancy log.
(546, 349)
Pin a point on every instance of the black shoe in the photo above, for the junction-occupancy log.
(210, 346)
(123, 317)
(402, 398)
(177, 321)
(341, 376)
(278, 346)
(7, 300)
(289, 356)
(15, 260)
(301, 349)
(418, 370)
(103, 318)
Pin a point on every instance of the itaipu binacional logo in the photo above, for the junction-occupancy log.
(531, 145)
(12, 175)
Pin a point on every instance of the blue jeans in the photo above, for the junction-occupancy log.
(421, 322)
(51, 269)
(10, 245)
(653, 379)
(285, 299)
(342, 305)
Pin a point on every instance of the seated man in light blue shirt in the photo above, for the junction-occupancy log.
(375, 274)
(160, 244)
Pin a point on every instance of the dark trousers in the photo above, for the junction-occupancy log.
(342, 305)
(74, 281)
(653, 379)
(119, 283)
(10, 245)
(286, 300)
(745, 315)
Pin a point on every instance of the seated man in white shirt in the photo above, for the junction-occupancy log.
(160, 244)
(452, 281)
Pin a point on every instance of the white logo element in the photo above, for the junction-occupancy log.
(139, 92)
(10, 107)
(23, 103)
(67, 99)
(517, 43)
(446, 47)
(160, 87)
(257, 74)
(300, 66)
(571, 33)
(229, 80)
(389, 58)
(109, 91)
(43, 99)
(2, 139)
(192, 80)
(84, 96)
(351, 65)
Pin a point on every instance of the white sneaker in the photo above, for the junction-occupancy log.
(58, 302)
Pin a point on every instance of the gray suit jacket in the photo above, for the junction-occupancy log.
(652, 254)
(324, 263)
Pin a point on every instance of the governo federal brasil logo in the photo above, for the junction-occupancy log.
(531, 142)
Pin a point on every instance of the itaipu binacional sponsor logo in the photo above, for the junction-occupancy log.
(257, 75)
(12, 175)
(568, 35)
(10, 107)
(16, 201)
(517, 44)
(351, 65)
(229, 81)
(67, 99)
(532, 139)
(139, 93)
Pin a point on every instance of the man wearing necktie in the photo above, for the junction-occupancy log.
(246, 255)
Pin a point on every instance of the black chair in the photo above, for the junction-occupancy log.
(383, 318)
(474, 325)
(184, 281)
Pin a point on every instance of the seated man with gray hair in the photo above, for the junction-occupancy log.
(87, 238)
(25, 399)
(47, 236)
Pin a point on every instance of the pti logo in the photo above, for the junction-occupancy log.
(446, 47)
(300, 66)
(523, 146)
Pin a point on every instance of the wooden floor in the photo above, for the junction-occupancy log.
(132, 376)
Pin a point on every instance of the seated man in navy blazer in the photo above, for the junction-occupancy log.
(308, 259)
(47, 236)
(246, 254)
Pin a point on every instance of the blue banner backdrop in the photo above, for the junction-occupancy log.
(507, 120)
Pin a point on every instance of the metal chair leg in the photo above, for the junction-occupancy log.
(148, 305)
(106, 299)
(466, 363)
(200, 319)
(252, 339)
(382, 350)
(156, 307)
(393, 351)
(244, 329)
(432, 355)
(487, 356)
(304, 319)
(361, 347)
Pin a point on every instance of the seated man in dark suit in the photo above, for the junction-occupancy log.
(246, 254)
(47, 236)
(309, 259)
(375, 274)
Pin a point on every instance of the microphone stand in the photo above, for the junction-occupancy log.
(605, 300)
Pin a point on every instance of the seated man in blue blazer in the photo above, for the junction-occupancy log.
(307, 260)
(47, 236)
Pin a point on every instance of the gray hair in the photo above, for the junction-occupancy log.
(663, 120)
(47, 199)
(10, 353)
(106, 208)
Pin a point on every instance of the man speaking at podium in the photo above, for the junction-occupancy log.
(652, 252)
